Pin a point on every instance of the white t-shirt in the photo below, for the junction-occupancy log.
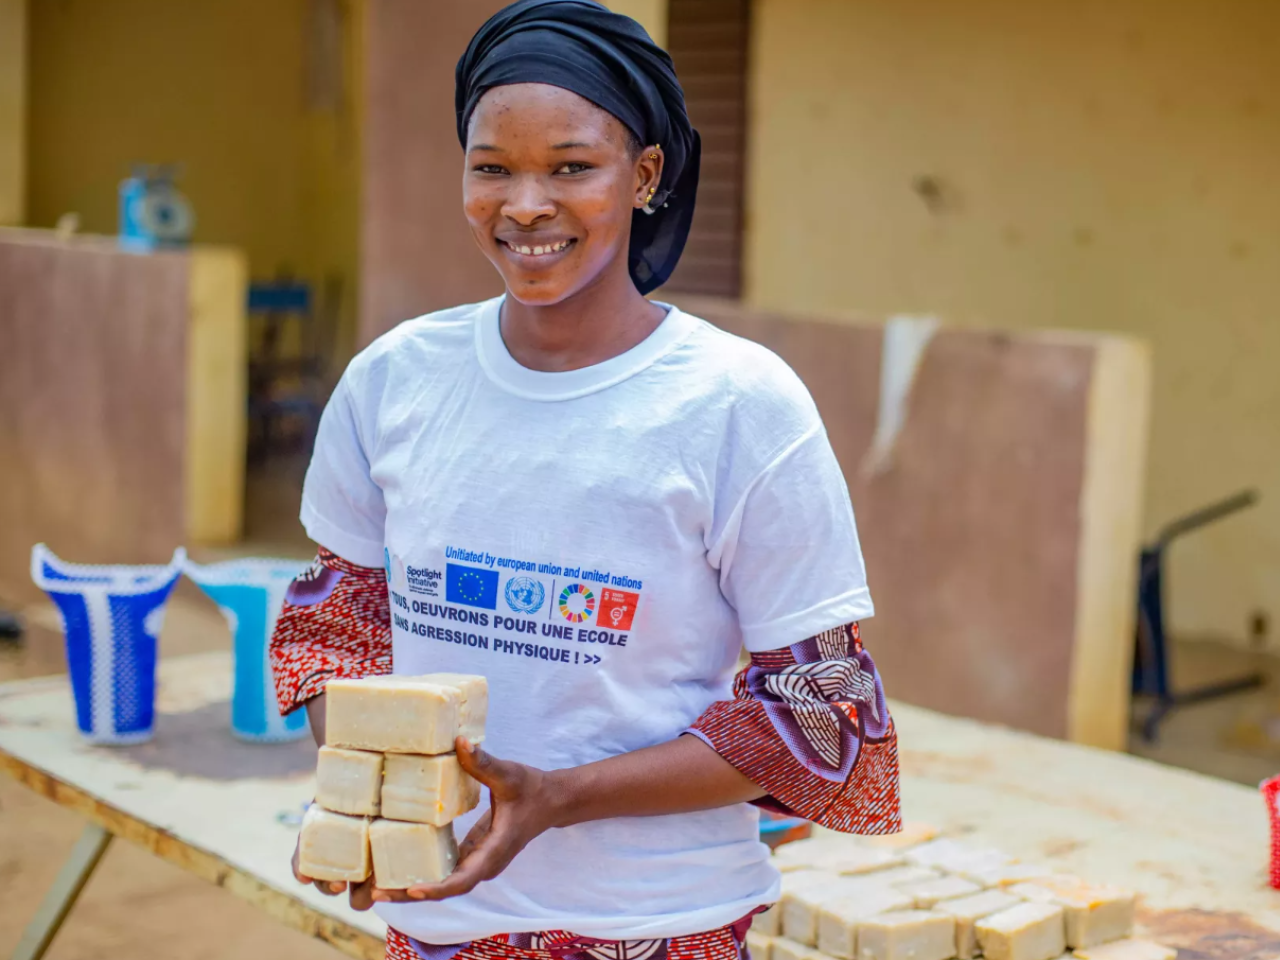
(600, 544)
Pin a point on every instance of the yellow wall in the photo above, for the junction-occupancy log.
(1105, 164)
(13, 108)
(218, 86)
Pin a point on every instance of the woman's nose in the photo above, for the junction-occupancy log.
(528, 202)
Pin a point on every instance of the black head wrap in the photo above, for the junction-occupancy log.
(610, 60)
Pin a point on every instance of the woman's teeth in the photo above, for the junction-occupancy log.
(539, 251)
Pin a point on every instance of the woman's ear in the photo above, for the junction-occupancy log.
(648, 175)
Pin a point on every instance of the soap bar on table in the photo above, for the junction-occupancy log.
(431, 790)
(907, 935)
(784, 949)
(391, 714)
(839, 919)
(803, 895)
(928, 892)
(769, 922)
(405, 854)
(475, 701)
(969, 910)
(1094, 913)
(1029, 931)
(333, 846)
(759, 945)
(349, 781)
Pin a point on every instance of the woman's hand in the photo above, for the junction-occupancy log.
(522, 805)
(361, 893)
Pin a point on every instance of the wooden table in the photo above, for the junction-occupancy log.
(1195, 847)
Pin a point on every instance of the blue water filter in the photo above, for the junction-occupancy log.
(250, 593)
(111, 619)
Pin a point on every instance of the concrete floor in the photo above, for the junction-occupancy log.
(138, 906)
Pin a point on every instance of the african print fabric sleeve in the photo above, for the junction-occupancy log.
(809, 724)
(336, 622)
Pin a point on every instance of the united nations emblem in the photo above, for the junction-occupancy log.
(525, 595)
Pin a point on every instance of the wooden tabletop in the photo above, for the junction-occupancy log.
(1193, 846)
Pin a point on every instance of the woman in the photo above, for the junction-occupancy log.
(596, 501)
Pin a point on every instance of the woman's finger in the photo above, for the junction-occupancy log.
(493, 773)
(362, 895)
(487, 859)
(380, 895)
(330, 888)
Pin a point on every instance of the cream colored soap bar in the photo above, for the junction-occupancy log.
(897, 876)
(838, 920)
(907, 935)
(1004, 874)
(1094, 913)
(405, 854)
(759, 945)
(768, 923)
(911, 835)
(833, 855)
(1029, 931)
(333, 846)
(1127, 950)
(475, 701)
(349, 781)
(391, 714)
(926, 893)
(784, 949)
(956, 857)
(802, 902)
(969, 910)
(432, 790)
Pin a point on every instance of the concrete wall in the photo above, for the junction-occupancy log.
(1099, 165)
(121, 403)
(13, 111)
(228, 89)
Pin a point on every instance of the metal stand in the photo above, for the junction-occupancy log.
(62, 895)
(1151, 662)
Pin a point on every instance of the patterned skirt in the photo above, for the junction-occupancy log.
(727, 943)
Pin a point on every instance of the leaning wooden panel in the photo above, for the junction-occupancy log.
(987, 572)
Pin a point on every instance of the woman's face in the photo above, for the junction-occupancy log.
(550, 185)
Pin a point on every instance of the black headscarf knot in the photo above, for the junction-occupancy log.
(610, 60)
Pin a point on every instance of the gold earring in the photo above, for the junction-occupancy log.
(652, 191)
(653, 156)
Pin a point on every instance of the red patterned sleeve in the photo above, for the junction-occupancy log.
(809, 724)
(336, 622)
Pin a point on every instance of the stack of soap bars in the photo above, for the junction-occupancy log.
(388, 784)
(913, 896)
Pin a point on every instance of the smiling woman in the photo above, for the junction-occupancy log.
(645, 468)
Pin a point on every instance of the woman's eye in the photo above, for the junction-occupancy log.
(574, 168)
(490, 168)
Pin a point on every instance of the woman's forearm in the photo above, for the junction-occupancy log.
(315, 717)
(681, 776)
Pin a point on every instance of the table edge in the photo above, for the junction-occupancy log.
(290, 911)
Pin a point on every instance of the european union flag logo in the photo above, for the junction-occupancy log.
(471, 585)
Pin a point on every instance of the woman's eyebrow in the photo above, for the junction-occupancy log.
(572, 145)
(488, 147)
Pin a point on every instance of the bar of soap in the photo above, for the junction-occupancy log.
(839, 920)
(475, 701)
(1029, 931)
(969, 910)
(759, 945)
(1004, 874)
(956, 857)
(349, 781)
(1095, 913)
(405, 854)
(784, 949)
(911, 835)
(391, 714)
(1131, 949)
(803, 898)
(925, 893)
(768, 922)
(834, 855)
(333, 846)
(432, 790)
(907, 935)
